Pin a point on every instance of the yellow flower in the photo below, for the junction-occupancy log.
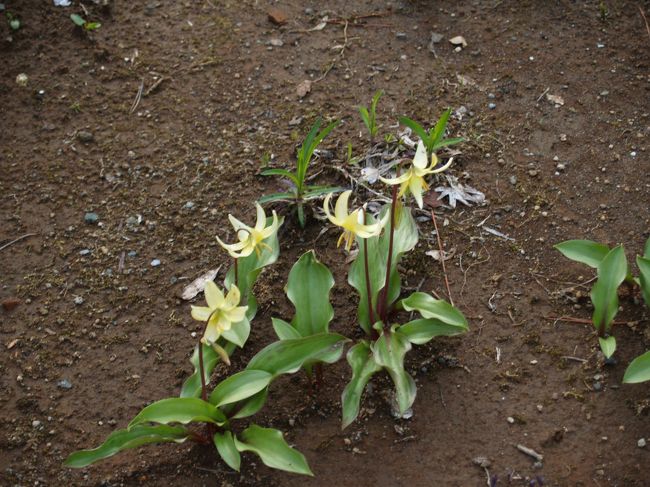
(352, 223)
(413, 179)
(250, 238)
(220, 313)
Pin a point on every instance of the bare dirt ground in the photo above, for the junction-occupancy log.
(99, 331)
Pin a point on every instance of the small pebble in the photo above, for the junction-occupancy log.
(91, 217)
(641, 443)
(189, 205)
(84, 252)
(64, 384)
(533, 172)
(132, 253)
(513, 180)
(597, 386)
(491, 96)
(85, 137)
(276, 42)
(78, 300)
(538, 465)
(401, 35)
(510, 420)
(155, 263)
(492, 106)
(36, 423)
(22, 79)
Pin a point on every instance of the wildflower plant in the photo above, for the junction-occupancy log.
(612, 270)
(433, 139)
(300, 191)
(369, 116)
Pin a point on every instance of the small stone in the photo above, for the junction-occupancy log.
(513, 179)
(540, 408)
(538, 465)
(458, 41)
(43, 311)
(604, 93)
(401, 35)
(155, 263)
(9, 304)
(436, 38)
(36, 423)
(533, 173)
(277, 16)
(561, 167)
(491, 96)
(598, 386)
(492, 106)
(84, 252)
(510, 420)
(91, 218)
(292, 422)
(641, 443)
(78, 300)
(132, 253)
(85, 137)
(22, 80)
(189, 205)
(276, 42)
(64, 384)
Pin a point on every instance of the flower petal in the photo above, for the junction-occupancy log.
(397, 180)
(415, 186)
(261, 217)
(341, 208)
(237, 225)
(326, 209)
(420, 160)
(213, 295)
(237, 314)
(211, 333)
(233, 297)
(440, 169)
(201, 313)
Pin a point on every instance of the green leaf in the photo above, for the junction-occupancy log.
(269, 198)
(389, 351)
(308, 288)
(438, 309)
(363, 368)
(251, 405)
(284, 330)
(281, 172)
(249, 268)
(447, 143)
(307, 149)
(270, 446)
(192, 386)
(238, 333)
(438, 132)
(78, 20)
(422, 331)
(314, 192)
(124, 439)
(300, 208)
(644, 277)
(179, 410)
(604, 294)
(92, 26)
(607, 345)
(646, 249)
(416, 128)
(14, 24)
(225, 443)
(405, 239)
(240, 386)
(288, 356)
(363, 111)
(638, 370)
(583, 251)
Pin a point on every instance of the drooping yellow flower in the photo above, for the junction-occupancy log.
(220, 313)
(413, 179)
(250, 239)
(352, 223)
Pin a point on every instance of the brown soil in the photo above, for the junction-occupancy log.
(225, 102)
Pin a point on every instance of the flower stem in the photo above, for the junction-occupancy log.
(204, 391)
(383, 311)
(236, 273)
(371, 313)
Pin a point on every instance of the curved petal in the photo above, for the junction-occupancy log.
(341, 208)
(231, 248)
(397, 180)
(261, 217)
(211, 333)
(415, 186)
(271, 229)
(223, 322)
(233, 297)
(201, 313)
(420, 160)
(446, 166)
(326, 209)
(237, 314)
(213, 295)
(237, 225)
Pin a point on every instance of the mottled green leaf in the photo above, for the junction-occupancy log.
(225, 443)
(583, 251)
(604, 294)
(363, 368)
(644, 277)
(389, 351)
(607, 345)
(430, 307)
(179, 410)
(422, 331)
(638, 370)
(240, 386)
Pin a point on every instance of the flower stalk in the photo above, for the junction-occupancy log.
(383, 297)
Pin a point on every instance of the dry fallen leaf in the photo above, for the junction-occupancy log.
(445, 255)
(556, 99)
(198, 284)
(303, 88)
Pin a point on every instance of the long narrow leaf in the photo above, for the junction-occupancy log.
(240, 386)
(583, 251)
(604, 294)
(281, 172)
(121, 440)
(270, 198)
(416, 128)
(644, 277)
(438, 132)
(389, 351)
(225, 443)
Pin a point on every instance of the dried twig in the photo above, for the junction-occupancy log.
(530, 452)
(138, 97)
(17, 240)
(585, 321)
(647, 27)
(442, 257)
